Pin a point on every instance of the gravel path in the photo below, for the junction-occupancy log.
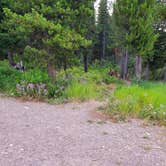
(39, 134)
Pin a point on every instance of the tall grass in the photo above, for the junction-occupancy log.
(91, 85)
(81, 91)
(147, 100)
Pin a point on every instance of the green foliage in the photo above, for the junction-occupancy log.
(134, 26)
(72, 84)
(159, 60)
(56, 90)
(146, 100)
(102, 29)
(8, 78)
(103, 14)
(35, 76)
(91, 85)
(11, 79)
(81, 91)
(97, 74)
(61, 33)
(46, 31)
(142, 36)
(133, 30)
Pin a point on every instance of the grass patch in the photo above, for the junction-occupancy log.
(92, 85)
(81, 91)
(146, 100)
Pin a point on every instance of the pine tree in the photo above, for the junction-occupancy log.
(159, 59)
(134, 23)
(5, 39)
(102, 25)
(142, 36)
(120, 26)
(49, 28)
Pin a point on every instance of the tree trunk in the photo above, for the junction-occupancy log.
(85, 63)
(138, 67)
(10, 58)
(103, 43)
(65, 66)
(165, 74)
(51, 70)
(124, 65)
(147, 71)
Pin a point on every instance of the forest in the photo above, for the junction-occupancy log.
(66, 50)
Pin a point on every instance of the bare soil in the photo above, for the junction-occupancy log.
(39, 134)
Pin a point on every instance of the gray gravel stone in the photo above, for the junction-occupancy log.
(39, 134)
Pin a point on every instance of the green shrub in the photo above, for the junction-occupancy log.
(147, 100)
(56, 90)
(95, 75)
(35, 76)
(8, 77)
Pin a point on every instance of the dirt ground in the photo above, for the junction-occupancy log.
(39, 134)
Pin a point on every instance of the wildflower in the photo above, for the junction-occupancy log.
(30, 86)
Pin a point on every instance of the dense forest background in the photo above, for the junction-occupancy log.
(61, 34)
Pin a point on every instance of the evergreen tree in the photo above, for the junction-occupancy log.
(121, 26)
(159, 60)
(49, 28)
(134, 27)
(102, 25)
(142, 36)
(5, 40)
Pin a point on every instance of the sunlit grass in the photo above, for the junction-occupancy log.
(81, 91)
(147, 100)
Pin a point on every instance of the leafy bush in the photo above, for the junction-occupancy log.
(35, 76)
(147, 100)
(29, 83)
(8, 77)
(56, 90)
(96, 75)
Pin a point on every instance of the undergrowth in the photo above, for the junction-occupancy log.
(146, 100)
(74, 84)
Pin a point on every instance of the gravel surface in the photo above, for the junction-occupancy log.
(39, 134)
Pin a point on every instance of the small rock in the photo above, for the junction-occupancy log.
(4, 153)
(27, 108)
(11, 145)
(21, 149)
(146, 136)
(103, 147)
